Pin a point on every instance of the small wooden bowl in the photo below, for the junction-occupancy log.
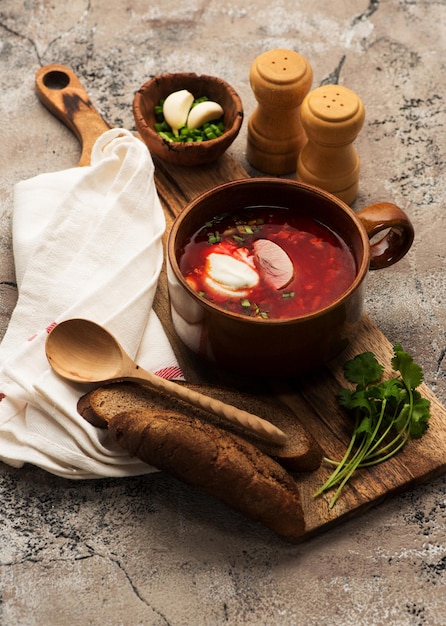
(189, 154)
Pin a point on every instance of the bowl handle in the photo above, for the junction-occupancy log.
(397, 233)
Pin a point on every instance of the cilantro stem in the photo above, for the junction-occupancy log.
(347, 467)
(333, 478)
(378, 409)
(371, 451)
(380, 452)
(402, 441)
(352, 468)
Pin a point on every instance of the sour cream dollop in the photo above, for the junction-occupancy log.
(229, 276)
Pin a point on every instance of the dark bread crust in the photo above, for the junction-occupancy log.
(301, 453)
(219, 462)
(85, 409)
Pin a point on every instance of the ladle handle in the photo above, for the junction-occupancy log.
(61, 92)
(257, 425)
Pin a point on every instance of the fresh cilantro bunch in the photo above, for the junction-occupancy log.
(387, 414)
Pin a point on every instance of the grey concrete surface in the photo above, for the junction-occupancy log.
(150, 550)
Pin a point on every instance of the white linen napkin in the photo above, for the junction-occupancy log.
(87, 243)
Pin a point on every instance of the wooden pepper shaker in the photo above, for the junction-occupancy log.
(332, 117)
(280, 79)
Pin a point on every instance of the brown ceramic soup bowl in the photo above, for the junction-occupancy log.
(377, 236)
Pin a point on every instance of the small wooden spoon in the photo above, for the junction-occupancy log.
(83, 351)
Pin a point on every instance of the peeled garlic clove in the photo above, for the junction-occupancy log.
(204, 112)
(176, 108)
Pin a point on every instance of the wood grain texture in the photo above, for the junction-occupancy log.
(59, 89)
(313, 399)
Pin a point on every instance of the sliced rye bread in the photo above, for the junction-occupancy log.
(216, 461)
(300, 453)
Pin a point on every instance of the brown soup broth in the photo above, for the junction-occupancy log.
(324, 266)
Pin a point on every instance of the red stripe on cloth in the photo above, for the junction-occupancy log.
(170, 372)
(50, 327)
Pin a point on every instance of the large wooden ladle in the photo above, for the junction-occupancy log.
(85, 352)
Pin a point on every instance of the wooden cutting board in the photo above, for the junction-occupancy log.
(313, 399)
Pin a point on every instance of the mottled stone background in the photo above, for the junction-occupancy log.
(152, 551)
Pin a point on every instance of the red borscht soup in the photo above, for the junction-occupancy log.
(268, 263)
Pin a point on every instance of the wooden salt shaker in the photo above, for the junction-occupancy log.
(332, 117)
(280, 79)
